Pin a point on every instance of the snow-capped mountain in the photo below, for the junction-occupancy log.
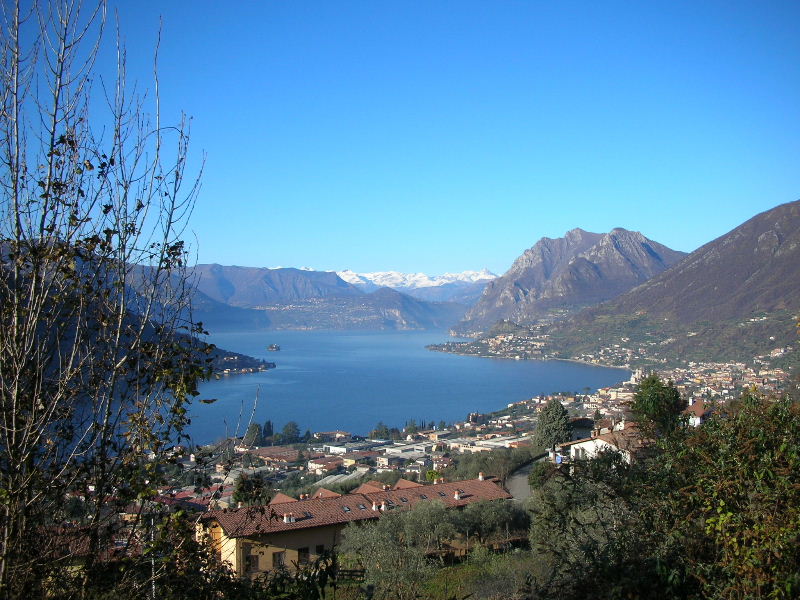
(464, 287)
(394, 279)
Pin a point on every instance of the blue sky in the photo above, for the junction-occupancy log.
(443, 136)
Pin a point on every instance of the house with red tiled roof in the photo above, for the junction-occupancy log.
(698, 412)
(258, 539)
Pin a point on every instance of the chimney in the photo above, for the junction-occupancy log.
(285, 518)
(288, 518)
(383, 505)
(480, 476)
(457, 495)
(374, 505)
(239, 505)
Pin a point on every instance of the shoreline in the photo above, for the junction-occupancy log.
(542, 359)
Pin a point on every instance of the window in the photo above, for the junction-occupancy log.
(251, 563)
(403, 499)
(302, 556)
(423, 496)
(346, 508)
(320, 549)
(442, 494)
(362, 507)
(278, 559)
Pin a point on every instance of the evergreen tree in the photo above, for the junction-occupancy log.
(291, 432)
(381, 431)
(657, 406)
(553, 426)
(253, 435)
(267, 430)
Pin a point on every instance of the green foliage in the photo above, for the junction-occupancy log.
(657, 406)
(307, 583)
(553, 426)
(714, 512)
(540, 473)
(380, 432)
(500, 463)
(392, 562)
(401, 550)
(492, 520)
(584, 531)
(251, 490)
(734, 500)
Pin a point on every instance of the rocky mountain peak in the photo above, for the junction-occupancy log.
(559, 276)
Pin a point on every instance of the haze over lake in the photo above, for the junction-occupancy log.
(328, 380)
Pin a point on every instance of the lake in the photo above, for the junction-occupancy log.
(328, 380)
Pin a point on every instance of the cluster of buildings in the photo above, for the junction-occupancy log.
(292, 532)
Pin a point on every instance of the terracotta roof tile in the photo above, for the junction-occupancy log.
(317, 512)
(325, 493)
(369, 486)
(403, 484)
(281, 498)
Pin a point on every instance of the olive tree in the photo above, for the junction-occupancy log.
(392, 560)
(97, 357)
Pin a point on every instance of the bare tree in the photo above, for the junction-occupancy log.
(97, 357)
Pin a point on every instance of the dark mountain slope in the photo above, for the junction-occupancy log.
(383, 309)
(250, 287)
(755, 267)
(733, 298)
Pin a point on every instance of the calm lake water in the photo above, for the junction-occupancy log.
(328, 380)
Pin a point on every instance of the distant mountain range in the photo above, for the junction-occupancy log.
(559, 276)
(464, 288)
(231, 297)
(733, 298)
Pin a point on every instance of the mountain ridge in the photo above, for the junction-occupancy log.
(732, 298)
(557, 276)
(230, 297)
